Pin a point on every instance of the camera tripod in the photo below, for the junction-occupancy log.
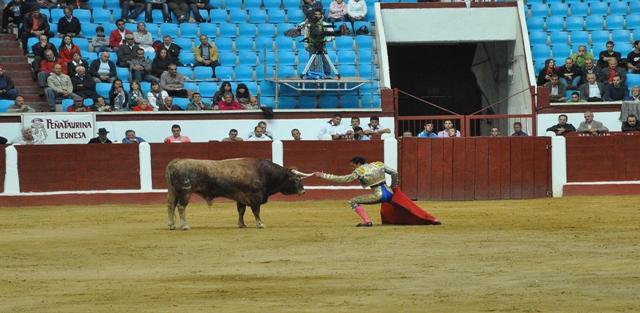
(317, 56)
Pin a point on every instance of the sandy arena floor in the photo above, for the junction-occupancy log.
(549, 255)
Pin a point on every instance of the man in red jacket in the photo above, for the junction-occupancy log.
(116, 37)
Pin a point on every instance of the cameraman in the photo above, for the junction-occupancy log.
(314, 29)
(359, 134)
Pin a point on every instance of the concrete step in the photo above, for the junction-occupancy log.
(23, 81)
(7, 37)
(4, 59)
(18, 74)
(12, 67)
(7, 50)
(28, 89)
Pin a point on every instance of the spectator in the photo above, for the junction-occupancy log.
(180, 8)
(631, 124)
(452, 133)
(140, 67)
(20, 106)
(128, 52)
(544, 76)
(156, 96)
(444, 133)
(78, 4)
(557, 90)
(103, 70)
(517, 130)
(66, 48)
(143, 106)
(83, 85)
(633, 59)
(406, 134)
(575, 97)
(267, 133)
(118, 36)
(428, 131)
(143, 38)
(616, 91)
(359, 134)
(169, 106)
(173, 49)
(355, 121)
(46, 68)
(228, 103)
(26, 138)
(607, 55)
(589, 68)
(337, 11)
(127, 6)
(219, 95)
(135, 94)
(333, 127)
(197, 5)
(607, 73)
(60, 86)
(130, 137)
(253, 104)
(206, 54)
(295, 133)
(29, 29)
(197, 104)
(3, 140)
(590, 126)
(233, 136)
(38, 53)
(161, 62)
(78, 106)
(102, 137)
(495, 132)
(99, 105)
(258, 135)
(13, 12)
(562, 126)
(173, 82)
(317, 46)
(357, 11)
(635, 94)
(155, 5)
(243, 95)
(374, 127)
(118, 97)
(176, 137)
(100, 42)
(7, 88)
(581, 56)
(593, 90)
(69, 25)
(569, 74)
(311, 6)
(76, 60)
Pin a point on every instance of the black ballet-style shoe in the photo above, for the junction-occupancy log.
(365, 224)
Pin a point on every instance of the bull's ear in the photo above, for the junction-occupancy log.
(302, 175)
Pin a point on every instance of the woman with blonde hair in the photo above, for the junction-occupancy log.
(143, 38)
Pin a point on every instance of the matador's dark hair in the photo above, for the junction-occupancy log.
(358, 160)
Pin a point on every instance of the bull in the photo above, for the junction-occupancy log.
(249, 182)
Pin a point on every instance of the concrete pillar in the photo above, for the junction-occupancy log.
(558, 165)
(144, 151)
(11, 178)
(277, 152)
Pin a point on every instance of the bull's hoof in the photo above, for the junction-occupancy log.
(262, 226)
(171, 227)
(185, 227)
(242, 225)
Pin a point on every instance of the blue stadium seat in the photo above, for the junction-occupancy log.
(218, 16)
(156, 15)
(286, 57)
(181, 102)
(5, 104)
(96, 4)
(287, 103)
(187, 57)
(90, 57)
(188, 30)
(112, 5)
(186, 71)
(223, 43)
(579, 9)
(53, 28)
(559, 9)
(292, 4)
(358, 24)
(267, 30)
(347, 70)
(283, 42)
(207, 89)
(365, 41)
(168, 29)
(556, 23)
(595, 22)
(185, 43)
(270, 69)
(103, 89)
(228, 57)
(247, 30)
(366, 70)
(538, 64)
(89, 29)
(283, 27)
(285, 71)
(559, 38)
(123, 73)
(66, 103)
(621, 36)
(84, 16)
(327, 102)
(575, 23)
(102, 16)
(579, 37)
(539, 10)
(600, 35)
(204, 14)
(634, 7)
(633, 80)
(271, 57)
(267, 89)
(268, 101)
(295, 16)
(599, 46)
(252, 4)
(208, 29)
(614, 22)
(228, 30)
(619, 8)
(346, 57)
(538, 38)
(365, 55)
(257, 16)
(244, 73)
(56, 15)
(633, 21)
(247, 58)
(244, 44)
(262, 41)
(540, 51)
(238, 15)
(276, 16)
(560, 52)
(345, 43)
(191, 86)
(533, 24)
(272, 4)
(202, 72)
(56, 41)
(598, 8)
(553, 1)
(349, 102)
(82, 43)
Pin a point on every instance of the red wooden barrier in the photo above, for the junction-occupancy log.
(3, 166)
(603, 158)
(475, 168)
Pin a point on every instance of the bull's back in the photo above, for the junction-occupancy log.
(200, 172)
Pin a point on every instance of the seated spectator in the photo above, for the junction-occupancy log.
(143, 106)
(607, 73)
(128, 52)
(592, 91)
(337, 11)
(635, 94)
(100, 42)
(253, 104)
(59, 86)
(169, 106)
(607, 55)
(575, 97)
(374, 127)
(26, 138)
(37, 29)
(452, 133)
(99, 105)
(631, 124)
(83, 85)
(197, 104)
(333, 127)
(406, 134)
(180, 8)
(78, 105)
(20, 106)
(517, 130)
(161, 62)
(143, 38)
(13, 12)
(359, 134)
(7, 88)
(176, 137)
(196, 5)
(633, 59)
(158, 5)
(233, 136)
(69, 25)
(118, 36)
(73, 4)
(140, 67)
(243, 95)
(102, 137)
(295, 133)
(428, 131)
(66, 48)
(355, 122)
(616, 91)
(589, 68)
(46, 68)
(76, 60)
(267, 133)
(219, 95)
(310, 6)
(130, 137)
(38, 53)
(131, 9)
(544, 76)
(445, 132)
(581, 56)
(118, 97)
(590, 126)
(228, 103)
(569, 74)
(135, 94)
(357, 11)
(103, 70)
(206, 54)
(156, 96)
(495, 132)
(173, 49)
(557, 90)
(258, 135)
(562, 126)
(173, 82)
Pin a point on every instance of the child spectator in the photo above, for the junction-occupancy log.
(100, 42)
(243, 95)
(135, 94)
(66, 47)
(156, 96)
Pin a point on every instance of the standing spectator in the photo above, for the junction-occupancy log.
(633, 59)
(100, 42)
(118, 97)
(169, 106)
(592, 91)
(176, 137)
(616, 91)
(607, 55)
(228, 103)
(155, 5)
(78, 106)
(197, 5)
(161, 62)
(173, 50)
(374, 127)
(78, 4)
(34, 25)
(20, 106)
(99, 105)
(569, 74)
(128, 52)
(197, 104)
(46, 68)
(38, 53)
(69, 25)
(243, 95)
(118, 35)
(180, 9)
(589, 68)
(337, 11)
(219, 95)
(66, 48)
(590, 126)
(607, 73)
(311, 6)
(295, 133)
(557, 90)
(333, 127)
(140, 67)
(517, 130)
(13, 12)
(135, 94)
(156, 96)
(143, 106)
(102, 137)
(495, 132)
(581, 56)
(206, 54)
(631, 124)
(130, 137)
(445, 132)
(428, 131)
(7, 88)
(635, 94)
(143, 38)
(317, 46)
(357, 11)
(103, 70)
(26, 138)
(76, 60)
(544, 76)
(131, 9)
(59, 86)
(83, 85)
(173, 82)
(233, 136)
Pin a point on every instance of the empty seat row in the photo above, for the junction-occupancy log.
(631, 22)
(620, 36)
(584, 9)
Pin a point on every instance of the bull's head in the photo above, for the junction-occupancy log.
(295, 186)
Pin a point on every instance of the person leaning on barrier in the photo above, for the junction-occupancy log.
(517, 130)
(233, 136)
(590, 126)
(428, 131)
(130, 137)
(495, 132)
(575, 97)
(197, 104)
(635, 94)
(295, 133)
(631, 124)
(562, 126)
(20, 106)
(26, 138)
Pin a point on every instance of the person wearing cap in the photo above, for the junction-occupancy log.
(128, 51)
(78, 106)
(7, 88)
(26, 138)
(117, 36)
(20, 106)
(34, 25)
(102, 137)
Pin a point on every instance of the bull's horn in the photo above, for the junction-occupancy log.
(301, 174)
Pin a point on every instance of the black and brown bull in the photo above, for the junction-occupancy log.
(249, 182)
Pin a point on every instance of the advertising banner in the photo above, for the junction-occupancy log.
(63, 128)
